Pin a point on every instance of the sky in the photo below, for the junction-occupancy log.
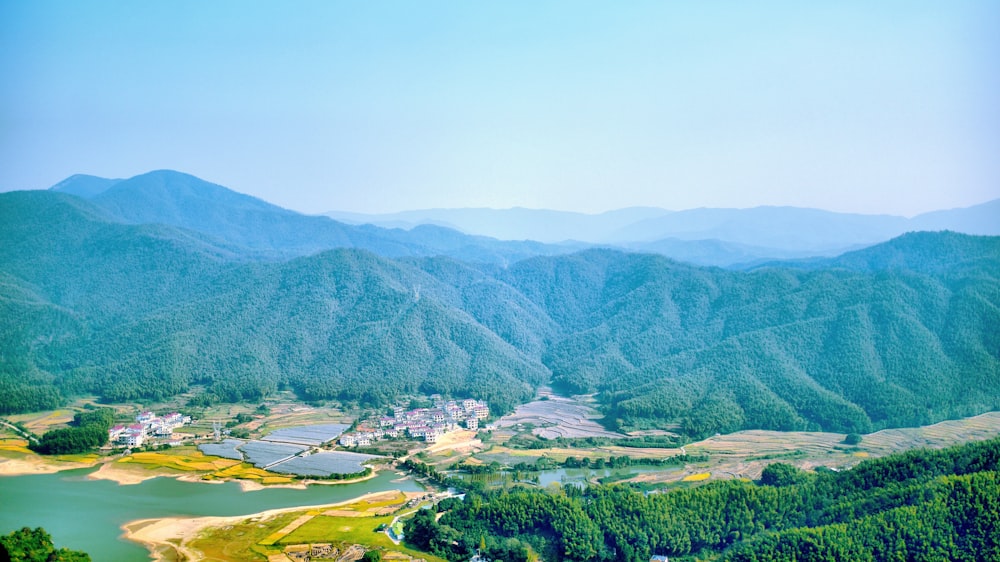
(871, 107)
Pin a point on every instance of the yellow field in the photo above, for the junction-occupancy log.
(14, 445)
(215, 468)
(244, 471)
(187, 462)
(697, 477)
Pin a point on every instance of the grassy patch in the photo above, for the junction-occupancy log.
(252, 539)
(350, 530)
(241, 541)
(364, 505)
(85, 458)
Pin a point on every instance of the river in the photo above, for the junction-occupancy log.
(85, 514)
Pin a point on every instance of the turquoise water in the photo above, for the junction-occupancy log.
(87, 515)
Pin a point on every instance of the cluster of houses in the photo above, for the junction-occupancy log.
(148, 426)
(423, 423)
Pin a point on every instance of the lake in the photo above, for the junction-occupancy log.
(85, 514)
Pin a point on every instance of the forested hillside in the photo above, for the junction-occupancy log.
(920, 505)
(902, 333)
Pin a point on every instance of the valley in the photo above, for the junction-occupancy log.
(521, 374)
(739, 456)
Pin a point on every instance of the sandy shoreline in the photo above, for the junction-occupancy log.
(166, 538)
(31, 465)
(131, 475)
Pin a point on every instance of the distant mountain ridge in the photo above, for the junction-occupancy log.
(268, 231)
(717, 237)
(724, 236)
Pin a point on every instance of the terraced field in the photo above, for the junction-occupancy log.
(558, 416)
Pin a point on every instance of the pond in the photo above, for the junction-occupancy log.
(85, 514)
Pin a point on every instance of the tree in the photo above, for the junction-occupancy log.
(780, 474)
(372, 556)
(35, 545)
(852, 439)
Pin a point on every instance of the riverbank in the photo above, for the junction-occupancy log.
(186, 469)
(168, 538)
(35, 464)
(127, 474)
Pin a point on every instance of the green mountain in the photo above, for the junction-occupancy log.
(901, 333)
(264, 231)
(708, 350)
(149, 310)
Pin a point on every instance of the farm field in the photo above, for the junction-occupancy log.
(348, 528)
(558, 416)
(183, 461)
(745, 454)
(312, 434)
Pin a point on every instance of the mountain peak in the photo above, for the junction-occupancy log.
(85, 186)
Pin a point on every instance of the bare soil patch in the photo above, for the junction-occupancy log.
(558, 416)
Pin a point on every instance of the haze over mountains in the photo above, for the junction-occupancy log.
(721, 237)
(160, 283)
(706, 236)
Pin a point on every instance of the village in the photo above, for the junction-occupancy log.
(148, 426)
(422, 423)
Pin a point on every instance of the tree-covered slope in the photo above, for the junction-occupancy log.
(777, 348)
(898, 334)
(143, 311)
(919, 505)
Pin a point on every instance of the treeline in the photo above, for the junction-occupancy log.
(35, 545)
(596, 463)
(88, 432)
(531, 441)
(919, 505)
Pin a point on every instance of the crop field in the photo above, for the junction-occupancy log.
(286, 414)
(324, 464)
(350, 529)
(243, 471)
(506, 456)
(314, 435)
(558, 416)
(745, 454)
(943, 434)
(189, 462)
(262, 453)
(14, 445)
(40, 422)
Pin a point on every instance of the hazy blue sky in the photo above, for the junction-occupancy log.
(875, 107)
